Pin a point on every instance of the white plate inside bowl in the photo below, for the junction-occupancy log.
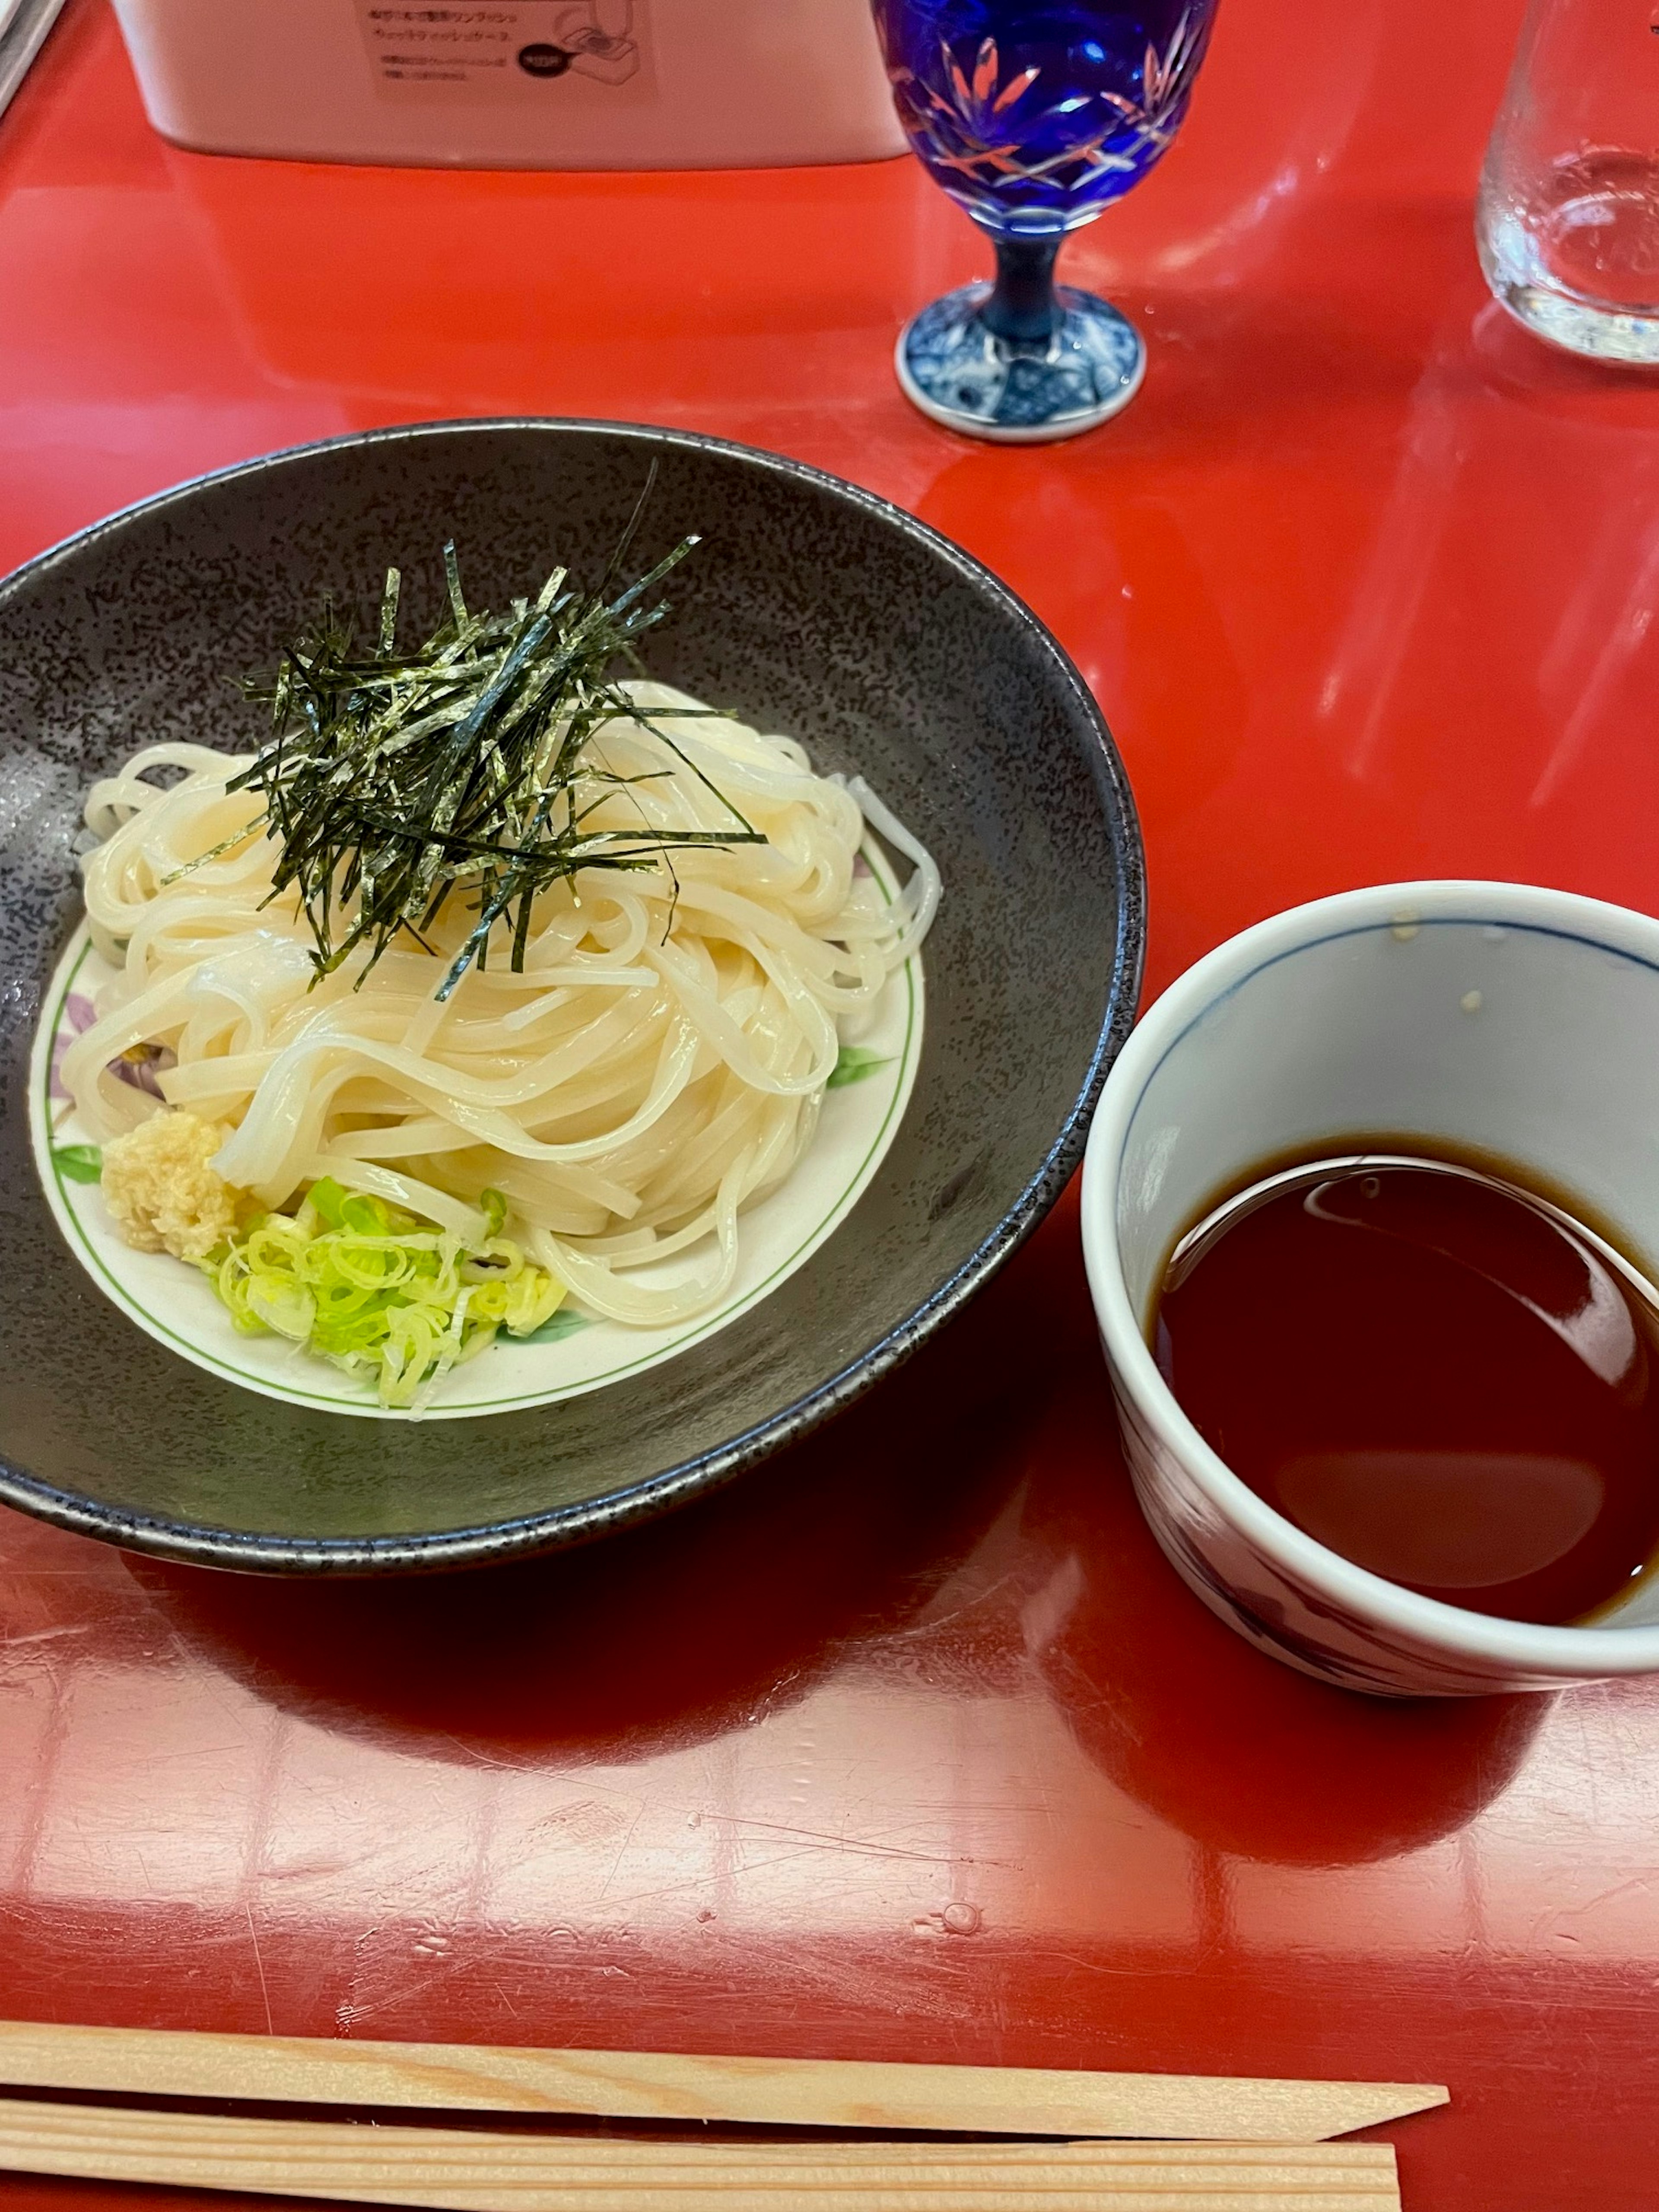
(571, 1354)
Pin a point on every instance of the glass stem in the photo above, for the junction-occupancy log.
(1021, 307)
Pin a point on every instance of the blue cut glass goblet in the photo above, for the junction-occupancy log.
(1034, 115)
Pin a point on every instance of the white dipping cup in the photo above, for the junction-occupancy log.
(1515, 1021)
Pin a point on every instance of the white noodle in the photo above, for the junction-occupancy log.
(656, 1066)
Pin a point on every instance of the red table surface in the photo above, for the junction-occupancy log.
(910, 1745)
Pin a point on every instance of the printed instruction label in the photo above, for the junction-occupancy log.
(590, 54)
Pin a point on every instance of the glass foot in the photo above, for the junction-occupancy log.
(1020, 391)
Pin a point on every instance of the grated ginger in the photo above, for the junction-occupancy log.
(162, 1190)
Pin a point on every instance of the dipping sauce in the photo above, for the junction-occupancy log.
(1431, 1371)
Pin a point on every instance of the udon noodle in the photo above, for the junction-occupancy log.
(656, 1067)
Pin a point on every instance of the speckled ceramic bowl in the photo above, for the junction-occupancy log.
(818, 610)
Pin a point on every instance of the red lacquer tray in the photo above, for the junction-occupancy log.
(911, 1747)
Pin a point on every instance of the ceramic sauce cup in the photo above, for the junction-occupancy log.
(1498, 1017)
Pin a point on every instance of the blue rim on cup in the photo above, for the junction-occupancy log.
(1510, 1019)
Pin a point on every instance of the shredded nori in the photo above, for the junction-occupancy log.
(395, 780)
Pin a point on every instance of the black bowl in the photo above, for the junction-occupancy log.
(816, 609)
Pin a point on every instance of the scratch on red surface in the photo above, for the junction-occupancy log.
(854, 1844)
(622, 1852)
(264, 1993)
(955, 1608)
(711, 1878)
(1635, 1884)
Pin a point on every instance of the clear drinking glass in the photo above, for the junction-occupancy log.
(1568, 218)
(1034, 115)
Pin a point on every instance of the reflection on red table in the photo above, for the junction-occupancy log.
(910, 1745)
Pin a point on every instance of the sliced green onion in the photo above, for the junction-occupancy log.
(383, 1295)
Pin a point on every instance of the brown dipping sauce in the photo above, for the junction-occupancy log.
(1426, 1369)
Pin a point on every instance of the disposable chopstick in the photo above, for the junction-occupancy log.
(659, 2086)
(475, 2172)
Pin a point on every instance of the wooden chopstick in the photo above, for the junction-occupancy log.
(659, 2086)
(475, 2172)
